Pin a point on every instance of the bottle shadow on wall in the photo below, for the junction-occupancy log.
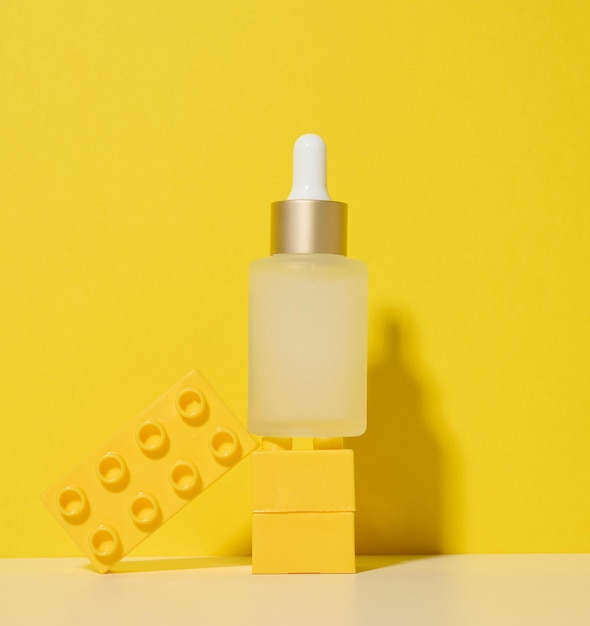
(399, 462)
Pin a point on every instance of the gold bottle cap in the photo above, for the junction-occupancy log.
(308, 226)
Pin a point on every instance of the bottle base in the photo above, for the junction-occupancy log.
(336, 428)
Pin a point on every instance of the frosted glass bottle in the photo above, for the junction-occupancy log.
(308, 346)
(308, 315)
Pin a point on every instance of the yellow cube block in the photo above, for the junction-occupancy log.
(303, 543)
(151, 469)
(303, 481)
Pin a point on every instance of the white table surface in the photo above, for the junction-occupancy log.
(441, 590)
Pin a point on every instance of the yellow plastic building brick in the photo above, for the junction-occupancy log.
(135, 482)
(276, 443)
(328, 443)
(303, 481)
(303, 543)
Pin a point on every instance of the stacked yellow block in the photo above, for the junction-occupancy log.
(303, 503)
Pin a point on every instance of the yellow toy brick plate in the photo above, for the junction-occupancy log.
(157, 464)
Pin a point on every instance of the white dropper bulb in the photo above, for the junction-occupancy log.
(309, 169)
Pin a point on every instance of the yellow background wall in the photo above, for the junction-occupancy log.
(140, 146)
